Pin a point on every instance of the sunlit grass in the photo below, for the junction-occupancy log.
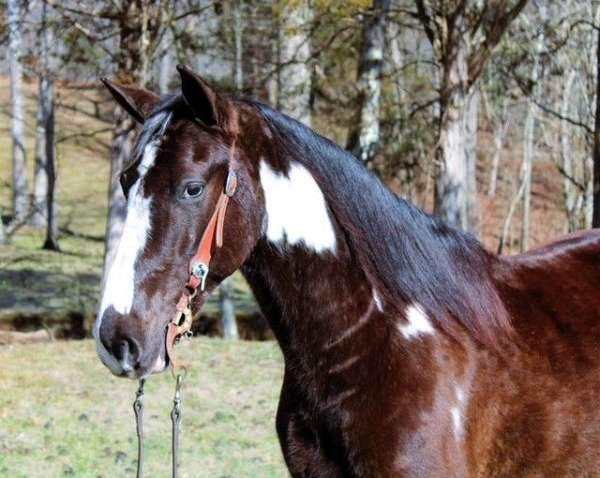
(62, 413)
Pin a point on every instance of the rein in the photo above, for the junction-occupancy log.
(181, 324)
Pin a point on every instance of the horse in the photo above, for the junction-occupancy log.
(409, 349)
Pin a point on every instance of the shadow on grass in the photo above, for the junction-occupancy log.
(30, 288)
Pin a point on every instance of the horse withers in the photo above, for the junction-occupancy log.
(409, 349)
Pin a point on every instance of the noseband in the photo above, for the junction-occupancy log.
(181, 324)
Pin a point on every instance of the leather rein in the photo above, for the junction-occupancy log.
(181, 323)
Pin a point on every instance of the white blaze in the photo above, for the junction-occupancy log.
(119, 286)
(296, 209)
(417, 323)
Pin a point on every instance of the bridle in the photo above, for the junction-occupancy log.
(181, 323)
(212, 237)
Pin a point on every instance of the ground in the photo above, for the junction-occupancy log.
(62, 413)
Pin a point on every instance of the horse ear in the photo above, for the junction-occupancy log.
(138, 102)
(206, 105)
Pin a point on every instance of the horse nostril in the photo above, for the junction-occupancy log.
(129, 353)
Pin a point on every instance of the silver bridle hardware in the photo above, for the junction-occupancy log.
(200, 271)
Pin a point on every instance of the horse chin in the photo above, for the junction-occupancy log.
(160, 364)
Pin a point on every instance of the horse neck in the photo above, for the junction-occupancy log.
(303, 273)
(313, 301)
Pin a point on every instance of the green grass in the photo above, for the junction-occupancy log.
(63, 414)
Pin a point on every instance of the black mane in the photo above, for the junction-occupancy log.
(408, 255)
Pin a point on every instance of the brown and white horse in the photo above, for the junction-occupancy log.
(409, 349)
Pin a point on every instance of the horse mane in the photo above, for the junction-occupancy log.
(409, 256)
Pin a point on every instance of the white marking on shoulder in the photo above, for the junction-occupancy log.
(417, 323)
(296, 208)
(119, 286)
(377, 300)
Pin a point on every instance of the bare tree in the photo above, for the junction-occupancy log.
(463, 35)
(230, 329)
(166, 63)
(238, 32)
(45, 153)
(294, 82)
(363, 139)
(3, 236)
(596, 156)
(500, 132)
(21, 200)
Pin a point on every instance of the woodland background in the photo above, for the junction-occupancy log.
(485, 112)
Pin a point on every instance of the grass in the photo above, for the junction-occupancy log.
(63, 414)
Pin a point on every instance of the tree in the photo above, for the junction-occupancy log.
(294, 82)
(45, 154)
(3, 236)
(364, 137)
(238, 32)
(463, 35)
(596, 175)
(230, 330)
(21, 202)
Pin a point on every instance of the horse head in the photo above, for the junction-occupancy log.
(189, 146)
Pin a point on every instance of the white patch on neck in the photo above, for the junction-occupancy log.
(457, 414)
(119, 286)
(418, 323)
(296, 208)
(377, 301)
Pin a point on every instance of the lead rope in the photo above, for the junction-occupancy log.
(138, 409)
(176, 421)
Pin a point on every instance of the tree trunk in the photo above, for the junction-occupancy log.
(45, 152)
(570, 191)
(230, 330)
(506, 237)
(165, 64)
(596, 175)
(3, 237)
(294, 87)
(51, 242)
(21, 200)
(500, 132)
(528, 138)
(238, 31)
(528, 152)
(144, 71)
(363, 139)
(451, 192)
(471, 127)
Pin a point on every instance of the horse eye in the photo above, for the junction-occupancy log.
(193, 190)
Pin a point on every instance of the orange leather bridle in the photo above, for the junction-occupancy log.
(212, 238)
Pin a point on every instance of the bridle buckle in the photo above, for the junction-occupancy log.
(200, 271)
